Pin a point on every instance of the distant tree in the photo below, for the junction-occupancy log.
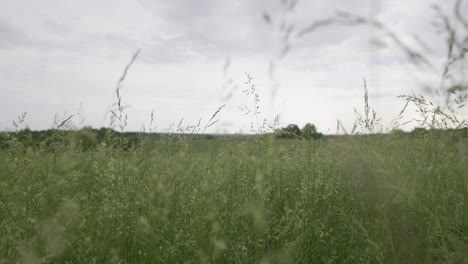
(309, 131)
(293, 129)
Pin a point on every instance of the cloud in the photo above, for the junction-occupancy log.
(66, 52)
(10, 36)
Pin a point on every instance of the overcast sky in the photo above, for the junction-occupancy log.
(61, 57)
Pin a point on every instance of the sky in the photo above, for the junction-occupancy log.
(61, 57)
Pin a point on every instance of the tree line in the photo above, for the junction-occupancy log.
(309, 131)
(88, 138)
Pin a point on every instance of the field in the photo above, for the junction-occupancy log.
(374, 195)
(350, 199)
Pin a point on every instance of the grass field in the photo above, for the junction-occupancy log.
(349, 199)
(78, 195)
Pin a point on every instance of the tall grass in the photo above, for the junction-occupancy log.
(347, 200)
(367, 197)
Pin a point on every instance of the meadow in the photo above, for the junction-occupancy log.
(389, 198)
(368, 196)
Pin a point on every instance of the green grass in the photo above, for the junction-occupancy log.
(69, 197)
(355, 199)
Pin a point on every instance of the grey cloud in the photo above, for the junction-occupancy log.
(221, 28)
(57, 28)
(119, 41)
(212, 29)
(185, 30)
(10, 36)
